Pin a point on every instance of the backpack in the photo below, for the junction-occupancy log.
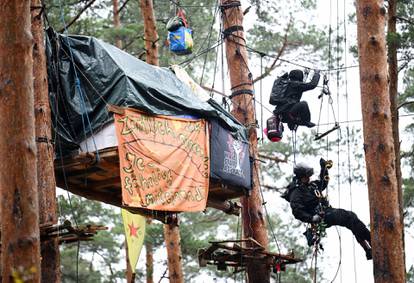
(278, 94)
(289, 189)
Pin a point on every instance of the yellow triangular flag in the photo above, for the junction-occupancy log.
(134, 225)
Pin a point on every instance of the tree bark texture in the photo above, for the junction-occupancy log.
(117, 23)
(149, 251)
(393, 92)
(150, 32)
(386, 228)
(20, 245)
(254, 224)
(172, 242)
(171, 233)
(45, 171)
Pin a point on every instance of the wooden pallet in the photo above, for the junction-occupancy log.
(98, 179)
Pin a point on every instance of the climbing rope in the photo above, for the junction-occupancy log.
(261, 98)
(326, 92)
(348, 134)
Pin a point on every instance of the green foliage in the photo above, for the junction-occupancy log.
(99, 254)
(410, 275)
(87, 272)
(97, 21)
(280, 25)
(196, 231)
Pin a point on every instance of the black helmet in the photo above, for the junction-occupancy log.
(296, 75)
(302, 170)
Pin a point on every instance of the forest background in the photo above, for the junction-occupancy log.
(281, 36)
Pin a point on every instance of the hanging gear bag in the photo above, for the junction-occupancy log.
(180, 35)
(181, 41)
(274, 130)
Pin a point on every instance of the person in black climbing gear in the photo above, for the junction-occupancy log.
(286, 95)
(311, 206)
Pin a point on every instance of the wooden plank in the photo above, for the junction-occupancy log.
(116, 109)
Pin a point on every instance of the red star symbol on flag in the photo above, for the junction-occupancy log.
(133, 230)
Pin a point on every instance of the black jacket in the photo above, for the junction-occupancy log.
(304, 200)
(294, 91)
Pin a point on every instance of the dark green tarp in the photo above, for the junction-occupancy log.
(108, 75)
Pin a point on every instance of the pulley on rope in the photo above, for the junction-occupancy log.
(326, 92)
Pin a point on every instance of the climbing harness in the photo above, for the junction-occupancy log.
(327, 92)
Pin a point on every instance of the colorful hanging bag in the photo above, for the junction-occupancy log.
(180, 35)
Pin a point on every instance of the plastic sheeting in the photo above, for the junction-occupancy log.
(86, 75)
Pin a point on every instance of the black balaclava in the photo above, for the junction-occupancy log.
(296, 75)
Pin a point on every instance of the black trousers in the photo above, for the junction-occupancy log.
(297, 114)
(348, 219)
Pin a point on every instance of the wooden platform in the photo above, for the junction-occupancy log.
(94, 179)
(238, 254)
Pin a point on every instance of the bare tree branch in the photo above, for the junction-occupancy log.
(405, 104)
(213, 90)
(279, 54)
(75, 18)
(123, 6)
(409, 21)
(270, 187)
(163, 275)
(273, 158)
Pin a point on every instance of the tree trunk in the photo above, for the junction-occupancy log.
(45, 170)
(19, 211)
(393, 92)
(130, 272)
(172, 242)
(386, 228)
(117, 23)
(171, 233)
(254, 224)
(150, 32)
(149, 262)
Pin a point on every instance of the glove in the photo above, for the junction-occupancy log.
(316, 218)
(322, 162)
(325, 163)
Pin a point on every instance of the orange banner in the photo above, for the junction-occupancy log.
(164, 161)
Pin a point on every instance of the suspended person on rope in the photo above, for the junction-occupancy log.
(286, 94)
(309, 205)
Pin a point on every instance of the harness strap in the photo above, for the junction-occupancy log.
(232, 4)
(241, 91)
(230, 30)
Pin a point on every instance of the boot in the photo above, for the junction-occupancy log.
(309, 124)
(367, 248)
